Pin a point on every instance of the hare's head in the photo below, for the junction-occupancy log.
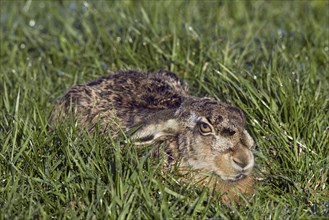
(210, 136)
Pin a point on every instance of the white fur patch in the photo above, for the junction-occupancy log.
(192, 120)
(157, 130)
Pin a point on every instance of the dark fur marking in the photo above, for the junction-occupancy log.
(146, 138)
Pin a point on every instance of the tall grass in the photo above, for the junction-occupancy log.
(270, 58)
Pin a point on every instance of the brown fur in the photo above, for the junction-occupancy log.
(156, 108)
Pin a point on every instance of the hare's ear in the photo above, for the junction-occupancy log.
(149, 133)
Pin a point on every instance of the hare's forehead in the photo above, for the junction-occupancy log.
(217, 114)
(214, 111)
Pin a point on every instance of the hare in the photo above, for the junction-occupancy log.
(200, 134)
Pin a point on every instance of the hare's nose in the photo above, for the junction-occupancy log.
(241, 162)
(244, 159)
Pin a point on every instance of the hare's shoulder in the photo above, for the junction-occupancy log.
(133, 89)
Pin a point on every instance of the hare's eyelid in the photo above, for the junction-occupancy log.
(204, 120)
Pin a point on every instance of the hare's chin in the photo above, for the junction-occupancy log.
(234, 178)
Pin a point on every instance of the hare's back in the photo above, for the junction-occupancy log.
(129, 96)
(140, 90)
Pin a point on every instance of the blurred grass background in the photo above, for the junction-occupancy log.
(270, 58)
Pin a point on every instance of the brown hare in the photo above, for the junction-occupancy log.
(200, 134)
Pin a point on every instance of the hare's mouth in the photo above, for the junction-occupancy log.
(233, 178)
(238, 177)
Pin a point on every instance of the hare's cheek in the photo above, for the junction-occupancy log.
(223, 165)
(202, 144)
(221, 144)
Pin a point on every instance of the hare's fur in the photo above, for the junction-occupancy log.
(202, 134)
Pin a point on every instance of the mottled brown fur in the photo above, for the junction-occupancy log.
(156, 108)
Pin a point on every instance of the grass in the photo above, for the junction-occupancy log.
(270, 58)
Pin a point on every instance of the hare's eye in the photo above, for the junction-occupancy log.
(204, 128)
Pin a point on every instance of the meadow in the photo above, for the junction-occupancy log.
(270, 58)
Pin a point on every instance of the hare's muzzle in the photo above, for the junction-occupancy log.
(234, 165)
(243, 159)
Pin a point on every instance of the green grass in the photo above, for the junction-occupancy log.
(270, 58)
